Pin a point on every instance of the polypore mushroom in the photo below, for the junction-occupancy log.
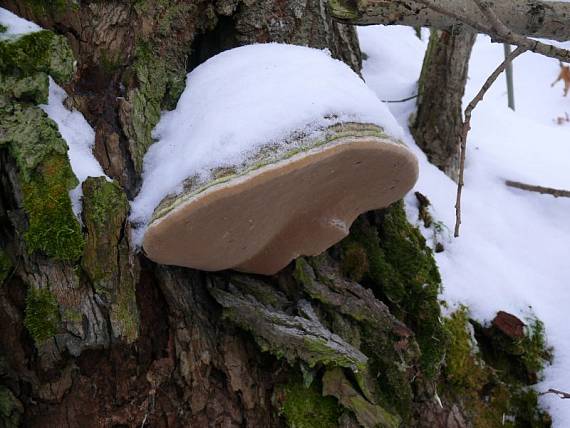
(293, 195)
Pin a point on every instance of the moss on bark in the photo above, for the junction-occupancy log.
(52, 226)
(305, 407)
(105, 209)
(42, 314)
(401, 269)
(489, 394)
(33, 140)
(42, 51)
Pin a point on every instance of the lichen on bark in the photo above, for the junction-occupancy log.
(159, 85)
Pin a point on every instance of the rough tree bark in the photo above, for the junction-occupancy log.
(93, 334)
(438, 121)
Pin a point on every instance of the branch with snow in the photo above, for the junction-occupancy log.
(563, 395)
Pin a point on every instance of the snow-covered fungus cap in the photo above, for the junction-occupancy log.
(271, 153)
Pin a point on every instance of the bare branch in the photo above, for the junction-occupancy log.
(557, 193)
(561, 394)
(467, 126)
(498, 31)
(403, 100)
(531, 18)
(504, 34)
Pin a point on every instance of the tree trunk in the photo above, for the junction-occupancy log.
(93, 334)
(438, 121)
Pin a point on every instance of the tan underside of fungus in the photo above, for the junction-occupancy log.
(259, 221)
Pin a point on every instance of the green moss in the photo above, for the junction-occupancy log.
(305, 407)
(42, 51)
(401, 270)
(42, 314)
(106, 200)
(488, 394)
(321, 352)
(45, 179)
(463, 370)
(33, 140)
(3, 28)
(52, 226)
(5, 266)
(519, 359)
(533, 349)
(343, 9)
(354, 261)
(125, 316)
(105, 209)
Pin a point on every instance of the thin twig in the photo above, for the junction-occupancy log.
(402, 100)
(557, 193)
(467, 126)
(561, 394)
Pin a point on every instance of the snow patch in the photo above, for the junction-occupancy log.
(514, 249)
(80, 139)
(15, 25)
(242, 99)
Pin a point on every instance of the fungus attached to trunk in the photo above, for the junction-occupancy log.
(262, 219)
(291, 157)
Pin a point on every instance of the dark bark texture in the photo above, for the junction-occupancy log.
(93, 334)
(438, 122)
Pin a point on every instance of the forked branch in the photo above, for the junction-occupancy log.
(467, 126)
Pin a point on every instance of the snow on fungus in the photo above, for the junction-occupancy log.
(279, 193)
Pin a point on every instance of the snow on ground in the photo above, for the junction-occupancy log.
(514, 249)
(80, 139)
(15, 26)
(244, 98)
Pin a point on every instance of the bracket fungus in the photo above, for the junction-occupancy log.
(308, 148)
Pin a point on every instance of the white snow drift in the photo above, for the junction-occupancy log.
(80, 139)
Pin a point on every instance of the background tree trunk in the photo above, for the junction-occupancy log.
(93, 334)
(438, 122)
